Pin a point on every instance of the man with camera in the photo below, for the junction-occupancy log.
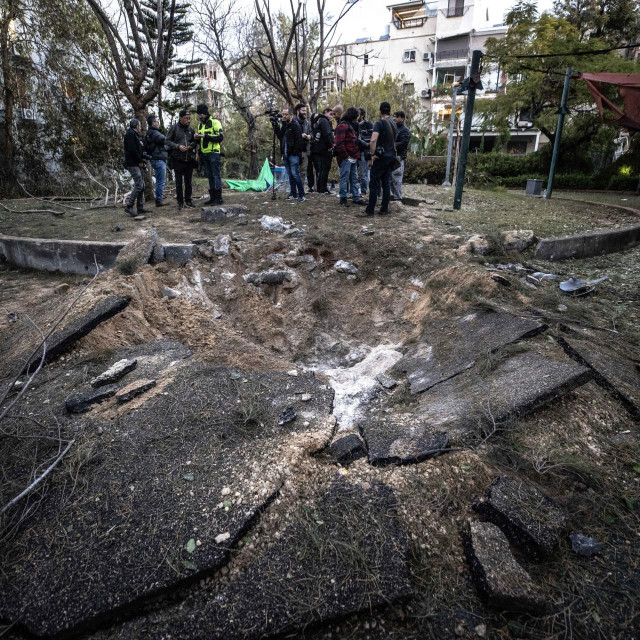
(365, 130)
(348, 148)
(134, 163)
(209, 137)
(402, 147)
(291, 145)
(383, 155)
(183, 158)
(156, 144)
(321, 148)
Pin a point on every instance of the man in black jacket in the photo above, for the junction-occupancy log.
(365, 129)
(321, 148)
(291, 145)
(134, 163)
(305, 128)
(183, 158)
(402, 146)
(156, 144)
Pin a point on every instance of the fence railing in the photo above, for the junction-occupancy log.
(452, 54)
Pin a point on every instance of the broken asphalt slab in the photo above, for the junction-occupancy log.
(449, 347)
(498, 576)
(345, 555)
(175, 479)
(531, 520)
(616, 373)
(64, 339)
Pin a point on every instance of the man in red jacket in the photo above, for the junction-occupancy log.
(347, 155)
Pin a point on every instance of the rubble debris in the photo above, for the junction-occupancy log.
(347, 449)
(221, 213)
(288, 415)
(221, 245)
(115, 372)
(171, 293)
(267, 277)
(498, 576)
(137, 252)
(531, 520)
(517, 240)
(134, 389)
(496, 277)
(576, 287)
(453, 346)
(342, 266)
(84, 401)
(479, 245)
(274, 224)
(585, 546)
(64, 339)
(294, 232)
(386, 381)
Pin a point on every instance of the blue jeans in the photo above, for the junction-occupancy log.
(292, 165)
(363, 167)
(211, 164)
(349, 174)
(160, 172)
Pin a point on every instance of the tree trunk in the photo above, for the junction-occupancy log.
(141, 114)
(252, 133)
(8, 147)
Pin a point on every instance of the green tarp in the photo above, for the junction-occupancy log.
(264, 181)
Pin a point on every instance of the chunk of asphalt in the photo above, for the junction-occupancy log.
(515, 387)
(585, 546)
(401, 439)
(134, 389)
(138, 510)
(64, 339)
(347, 449)
(454, 345)
(531, 520)
(497, 574)
(346, 555)
(613, 371)
(84, 401)
(115, 372)
(288, 415)
(267, 277)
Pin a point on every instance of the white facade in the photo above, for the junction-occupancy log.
(211, 84)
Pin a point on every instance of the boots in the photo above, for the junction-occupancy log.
(218, 196)
(212, 198)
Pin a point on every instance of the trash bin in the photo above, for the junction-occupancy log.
(534, 187)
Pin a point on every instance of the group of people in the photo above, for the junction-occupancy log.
(369, 156)
(178, 150)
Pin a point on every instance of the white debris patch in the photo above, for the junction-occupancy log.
(353, 385)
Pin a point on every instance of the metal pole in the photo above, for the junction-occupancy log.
(473, 83)
(273, 158)
(446, 182)
(562, 112)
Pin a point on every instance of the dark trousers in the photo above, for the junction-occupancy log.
(138, 187)
(211, 165)
(322, 164)
(380, 181)
(184, 172)
(312, 172)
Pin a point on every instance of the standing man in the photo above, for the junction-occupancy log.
(156, 145)
(402, 147)
(305, 128)
(365, 131)
(134, 163)
(291, 145)
(183, 158)
(210, 136)
(321, 148)
(383, 154)
(347, 155)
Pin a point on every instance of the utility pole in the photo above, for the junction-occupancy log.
(470, 85)
(562, 112)
(446, 182)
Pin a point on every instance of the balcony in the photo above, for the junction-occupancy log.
(452, 54)
(455, 12)
(409, 23)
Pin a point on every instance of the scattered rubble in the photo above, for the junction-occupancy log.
(342, 266)
(83, 401)
(134, 389)
(585, 546)
(115, 372)
(347, 449)
(273, 224)
(267, 277)
(221, 213)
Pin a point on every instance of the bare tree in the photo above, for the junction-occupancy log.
(285, 56)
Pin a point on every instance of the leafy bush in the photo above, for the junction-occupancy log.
(424, 171)
(623, 182)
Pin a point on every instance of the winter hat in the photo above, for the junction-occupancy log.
(183, 113)
(202, 109)
(133, 123)
(151, 119)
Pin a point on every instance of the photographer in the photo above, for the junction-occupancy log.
(183, 158)
(348, 149)
(156, 146)
(365, 129)
(209, 137)
(134, 164)
(291, 145)
(305, 128)
(321, 145)
(402, 146)
(383, 153)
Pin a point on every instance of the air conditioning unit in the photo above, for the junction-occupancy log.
(428, 57)
(425, 93)
(28, 114)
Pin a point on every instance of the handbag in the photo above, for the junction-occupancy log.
(397, 162)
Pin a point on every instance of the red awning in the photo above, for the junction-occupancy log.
(629, 84)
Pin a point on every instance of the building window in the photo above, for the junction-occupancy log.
(215, 74)
(455, 9)
(408, 88)
(409, 55)
(410, 16)
(366, 58)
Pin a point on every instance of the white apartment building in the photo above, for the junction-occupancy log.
(430, 43)
(211, 85)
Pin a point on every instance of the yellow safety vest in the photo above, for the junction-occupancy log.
(209, 127)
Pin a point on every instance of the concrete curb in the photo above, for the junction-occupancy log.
(76, 256)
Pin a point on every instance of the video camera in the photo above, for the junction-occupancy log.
(274, 115)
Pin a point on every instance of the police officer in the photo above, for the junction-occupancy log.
(209, 137)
